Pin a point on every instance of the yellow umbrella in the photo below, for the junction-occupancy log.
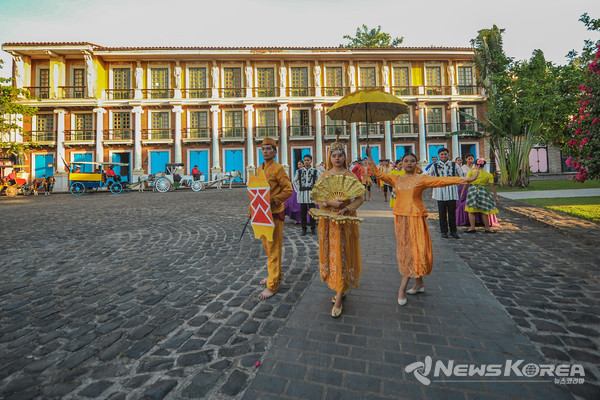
(368, 105)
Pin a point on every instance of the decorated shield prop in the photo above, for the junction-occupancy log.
(260, 205)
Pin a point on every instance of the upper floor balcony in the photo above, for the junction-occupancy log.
(47, 137)
(301, 132)
(404, 129)
(437, 128)
(120, 94)
(80, 136)
(158, 93)
(266, 131)
(157, 135)
(196, 134)
(121, 136)
(232, 133)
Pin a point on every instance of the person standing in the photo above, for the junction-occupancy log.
(414, 252)
(365, 174)
(386, 168)
(305, 179)
(280, 189)
(446, 196)
(479, 200)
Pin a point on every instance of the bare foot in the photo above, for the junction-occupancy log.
(266, 294)
(264, 281)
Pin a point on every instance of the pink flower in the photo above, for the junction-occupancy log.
(572, 143)
(578, 131)
(595, 120)
(583, 142)
(568, 160)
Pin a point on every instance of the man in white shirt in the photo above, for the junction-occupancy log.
(305, 178)
(446, 196)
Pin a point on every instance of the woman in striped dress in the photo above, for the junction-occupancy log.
(479, 200)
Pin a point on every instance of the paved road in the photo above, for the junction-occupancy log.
(148, 295)
(536, 194)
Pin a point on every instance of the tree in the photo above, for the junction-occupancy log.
(9, 105)
(372, 38)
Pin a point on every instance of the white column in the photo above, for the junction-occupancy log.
(137, 137)
(318, 135)
(284, 150)
(250, 136)
(139, 81)
(216, 166)
(454, 128)
(317, 77)
(177, 110)
(177, 91)
(353, 142)
(99, 133)
(387, 134)
(60, 139)
(422, 138)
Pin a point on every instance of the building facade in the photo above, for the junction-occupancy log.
(212, 107)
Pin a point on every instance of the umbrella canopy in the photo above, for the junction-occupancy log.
(368, 105)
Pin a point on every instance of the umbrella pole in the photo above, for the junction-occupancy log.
(367, 121)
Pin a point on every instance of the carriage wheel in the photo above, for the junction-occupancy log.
(116, 188)
(197, 186)
(77, 188)
(11, 191)
(162, 185)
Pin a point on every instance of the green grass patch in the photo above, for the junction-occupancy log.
(562, 184)
(582, 207)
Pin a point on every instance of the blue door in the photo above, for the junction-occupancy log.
(468, 149)
(261, 159)
(298, 155)
(158, 161)
(402, 150)
(123, 172)
(374, 153)
(199, 158)
(234, 161)
(87, 157)
(44, 165)
(433, 150)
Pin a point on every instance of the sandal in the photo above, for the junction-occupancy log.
(489, 231)
(343, 297)
(471, 230)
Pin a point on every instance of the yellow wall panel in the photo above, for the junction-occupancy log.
(101, 77)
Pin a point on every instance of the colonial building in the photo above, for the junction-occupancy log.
(211, 107)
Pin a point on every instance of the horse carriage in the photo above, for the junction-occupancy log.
(81, 182)
(11, 188)
(174, 178)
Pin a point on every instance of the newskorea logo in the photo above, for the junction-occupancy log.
(573, 372)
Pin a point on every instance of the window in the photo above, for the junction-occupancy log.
(197, 77)
(373, 129)
(121, 126)
(333, 81)
(121, 83)
(299, 82)
(265, 78)
(300, 123)
(434, 120)
(266, 123)
(367, 77)
(433, 76)
(465, 80)
(44, 128)
(400, 81)
(78, 84)
(402, 124)
(198, 124)
(83, 127)
(334, 127)
(234, 124)
(44, 84)
(232, 78)
(160, 125)
(160, 80)
(466, 123)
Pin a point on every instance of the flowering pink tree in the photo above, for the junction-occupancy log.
(584, 146)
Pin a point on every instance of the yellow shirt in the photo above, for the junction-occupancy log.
(279, 183)
(482, 179)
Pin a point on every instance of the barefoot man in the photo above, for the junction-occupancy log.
(280, 189)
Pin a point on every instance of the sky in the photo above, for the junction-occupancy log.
(549, 25)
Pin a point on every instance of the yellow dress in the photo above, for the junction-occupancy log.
(393, 195)
(340, 262)
(414, 252)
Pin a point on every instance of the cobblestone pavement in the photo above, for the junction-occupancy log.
(140, 295)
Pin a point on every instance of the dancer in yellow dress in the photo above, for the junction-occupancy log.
(339, 246)
(414, 253)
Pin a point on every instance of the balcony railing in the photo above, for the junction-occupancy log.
(334, 130)
(435, 127)
(73, 92)
(404, 129)
(301, 130)
(373, 129)
(157, 134)
(438, 90)
(196, 93)
(335, 91)
(300, 91)
(117, 134)
(233, 132)
(467, 90)
(468, 126)
(228, 93)
(158, 93)
(370, 87)
(119, 94)
(197, 133)
(266, 92)
(39, 92)
(265, 131)
(405, 90)
(43, 136)
(80, 135)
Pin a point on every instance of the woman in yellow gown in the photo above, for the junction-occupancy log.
(414, 253)
(339, 246)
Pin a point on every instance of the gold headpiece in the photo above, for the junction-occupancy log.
(336, 146)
